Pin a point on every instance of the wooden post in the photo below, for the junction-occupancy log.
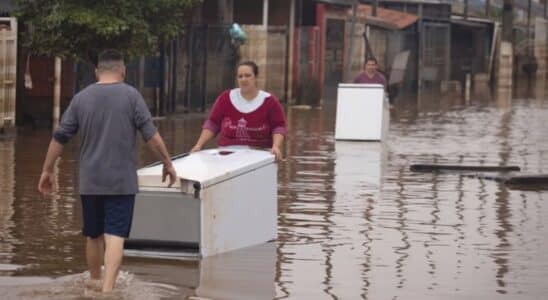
(465, 9)
(141, 84)
(507, 21)
(529, 44)
(289, 75)
(56, 92)
(8, 73)
(174, 62)
(487, 9)
(467, 86)
(225, 11)
(421, 48)
(162, 91)
(374, 8)
(265, 14)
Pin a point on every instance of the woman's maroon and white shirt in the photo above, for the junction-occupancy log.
(246, 122)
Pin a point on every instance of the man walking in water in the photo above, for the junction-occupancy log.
(107, 114)
(371, 75)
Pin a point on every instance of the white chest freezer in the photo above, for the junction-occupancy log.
(362, 112)
(225, 199)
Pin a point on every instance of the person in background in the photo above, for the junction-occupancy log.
(246, 116)
(107, 114)
(371, 74)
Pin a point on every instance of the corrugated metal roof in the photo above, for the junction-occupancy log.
(387, 18)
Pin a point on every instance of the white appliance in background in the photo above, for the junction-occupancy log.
(362, 112)
(225, 199)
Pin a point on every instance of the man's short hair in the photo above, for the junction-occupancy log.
(371, 59)
(110, 60)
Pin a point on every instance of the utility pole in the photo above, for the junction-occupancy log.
(465, 9)
(374, 9)
(351, 42)
(487, 9)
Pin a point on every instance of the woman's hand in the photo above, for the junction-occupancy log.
(277, 153)
(196, 148)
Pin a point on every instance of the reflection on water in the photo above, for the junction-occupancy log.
(354, 222)
(80, 286)
(7, 183)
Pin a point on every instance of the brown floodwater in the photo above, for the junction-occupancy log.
(353, 222)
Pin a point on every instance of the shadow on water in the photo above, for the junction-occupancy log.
(353, 221)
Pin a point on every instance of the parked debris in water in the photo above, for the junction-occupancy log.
(461, 168)
(519, 181)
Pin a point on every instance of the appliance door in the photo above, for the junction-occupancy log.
(166, 217)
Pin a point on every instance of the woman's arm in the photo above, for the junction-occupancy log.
(205, 136)
(212, 125)
(278, 125)
(277, 141)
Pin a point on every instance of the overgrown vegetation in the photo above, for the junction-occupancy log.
(80, 29)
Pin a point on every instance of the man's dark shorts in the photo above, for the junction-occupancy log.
(110, 214)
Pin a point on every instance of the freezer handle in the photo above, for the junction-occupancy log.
(197, 187)
(190, 187)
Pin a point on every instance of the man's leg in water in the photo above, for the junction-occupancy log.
(114, 253)
(95, 249)
(118, 217)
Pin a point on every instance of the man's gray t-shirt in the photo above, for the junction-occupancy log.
(107, 117)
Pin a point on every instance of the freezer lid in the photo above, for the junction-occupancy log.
(361, 85)
(208, 167)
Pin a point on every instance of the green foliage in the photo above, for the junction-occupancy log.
(80, 29)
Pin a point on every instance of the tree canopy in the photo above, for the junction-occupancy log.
(80, 29)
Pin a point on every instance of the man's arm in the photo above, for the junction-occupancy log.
(156, 144)
(47, 181)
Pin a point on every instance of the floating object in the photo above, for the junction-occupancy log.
(461, 168)
(517, 180)
(362, 112)
(225, 199)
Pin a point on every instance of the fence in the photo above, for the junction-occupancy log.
(307, 66)
(276, 61)
(205, 65)
(191, 71)
(435, 51)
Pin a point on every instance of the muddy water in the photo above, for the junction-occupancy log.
(354, 222)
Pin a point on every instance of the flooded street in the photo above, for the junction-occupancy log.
(354, 222)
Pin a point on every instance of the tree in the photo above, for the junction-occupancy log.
(80, 29)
